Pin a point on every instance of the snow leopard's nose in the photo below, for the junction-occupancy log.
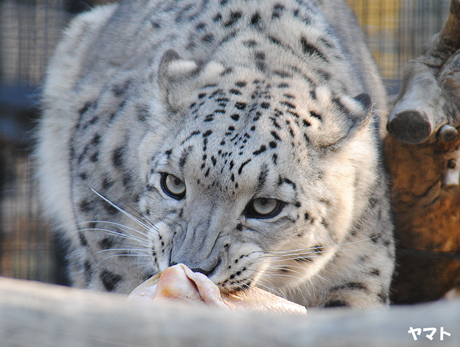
(197, 253)
(208, 271)
(199, 244)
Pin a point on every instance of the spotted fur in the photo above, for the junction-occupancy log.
(170, 125)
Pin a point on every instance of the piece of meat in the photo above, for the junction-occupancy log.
(180, 283)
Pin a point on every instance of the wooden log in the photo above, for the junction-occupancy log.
(444, 44)
(418, 112)
(423, 158)
(449, 79)
(423, 106)
(35, 314)
(426, 202)
(447, 133)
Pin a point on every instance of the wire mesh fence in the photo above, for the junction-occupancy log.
(396, 31)
(29, 32)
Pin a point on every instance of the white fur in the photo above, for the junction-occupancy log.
(56, 129)
(166, 100)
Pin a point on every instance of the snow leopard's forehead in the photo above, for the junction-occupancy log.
(244, 119)
(246, 123)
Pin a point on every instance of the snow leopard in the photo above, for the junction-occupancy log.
(241, 138)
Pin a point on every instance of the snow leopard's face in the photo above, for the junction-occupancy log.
(245, 190)
(232, 136)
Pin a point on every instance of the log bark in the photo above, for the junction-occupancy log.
(35, 314)
(426, 203)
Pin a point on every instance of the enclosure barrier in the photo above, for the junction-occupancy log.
(37, 314)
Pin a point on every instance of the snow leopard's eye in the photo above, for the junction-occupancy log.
(172, 186)
(261, 208)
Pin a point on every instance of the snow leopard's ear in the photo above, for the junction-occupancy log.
(356, 113)
(173, 69)
(342, 118)
(359, 111)
(172, 73)
(178, 78)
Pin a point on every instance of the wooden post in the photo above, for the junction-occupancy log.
(422, 154)
(427, 218)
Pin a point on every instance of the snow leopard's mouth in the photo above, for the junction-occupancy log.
(179, 283)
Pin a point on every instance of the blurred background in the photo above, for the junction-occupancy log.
(396, 31)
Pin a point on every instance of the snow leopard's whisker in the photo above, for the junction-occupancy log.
(280, 264)
(271, 271)
(132, 211)
(315, 249)
(293, 252)
(123, 252)
(267, 288)
(260, 285)
(279, 292)
(146, 268)
(351, 242)
(299, 252)
(285, 275)
(292, 255)
(121, 235)
(118, 225)
(324, 279)
(127, 214)
(137, 234)
(275, 271)
(139, 251)
(124, 255)
(120, 255)
(299, 257)
(124, 235)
